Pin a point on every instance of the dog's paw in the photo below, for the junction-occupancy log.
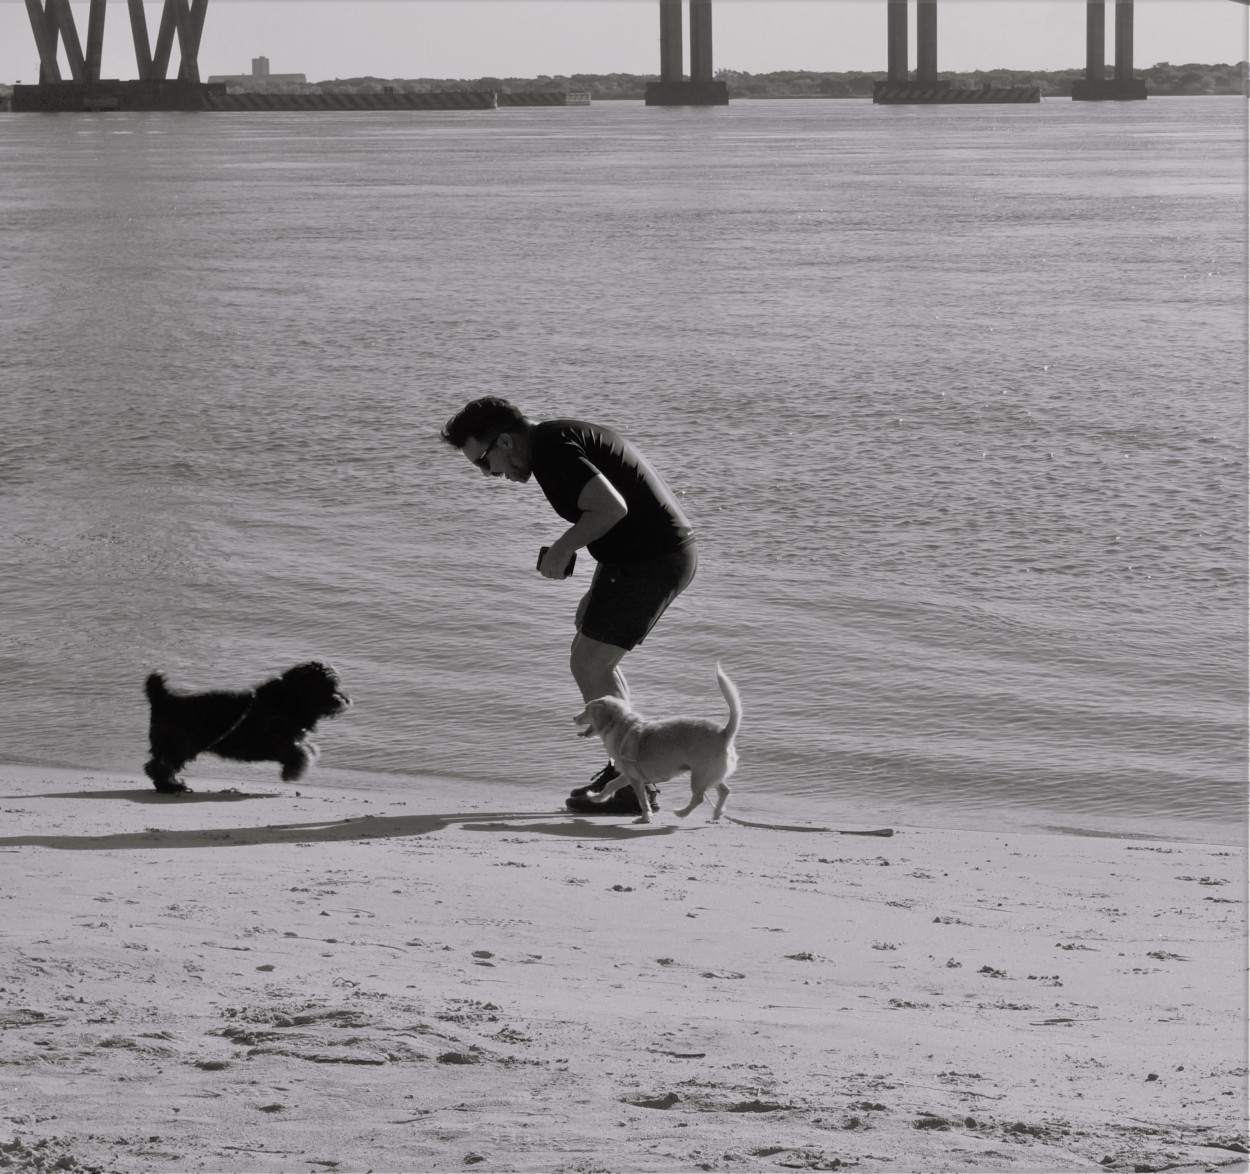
(172, 787)
(297, 760)
(644, 818)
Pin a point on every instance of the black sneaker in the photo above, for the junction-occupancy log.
(624, 802)
(601, 780)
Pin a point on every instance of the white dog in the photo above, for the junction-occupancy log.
(652, 752)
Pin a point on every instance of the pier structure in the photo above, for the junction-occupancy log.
(897, 46)
(901, 88)
(1095, 86)
(674, 88)
(53, 25)
(52, 22)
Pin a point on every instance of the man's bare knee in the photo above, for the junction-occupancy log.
(594, 668)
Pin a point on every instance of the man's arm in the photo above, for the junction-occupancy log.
(602, 507)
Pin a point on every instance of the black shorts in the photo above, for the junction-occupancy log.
(626, 599)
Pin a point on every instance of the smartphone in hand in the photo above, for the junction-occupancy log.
(542, 554)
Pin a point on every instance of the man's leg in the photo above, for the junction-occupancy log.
(623, 604)
(595, 668)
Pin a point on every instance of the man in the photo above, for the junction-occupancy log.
(620, 510)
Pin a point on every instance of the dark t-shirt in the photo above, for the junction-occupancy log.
(566, 454)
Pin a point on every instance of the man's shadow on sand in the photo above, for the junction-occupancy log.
(365, 827)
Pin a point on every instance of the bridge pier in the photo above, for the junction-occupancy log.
(926, 41)
(95, 39)
(52, 23)
(896, 40)
(1095, 86)
(925, 88)
(673, 88)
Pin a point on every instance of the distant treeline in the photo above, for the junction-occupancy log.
(1162, 78)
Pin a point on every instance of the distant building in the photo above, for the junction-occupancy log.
(260, 73)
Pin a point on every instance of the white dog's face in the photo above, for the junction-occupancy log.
(601, 715)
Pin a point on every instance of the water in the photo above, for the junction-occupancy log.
(954, 397)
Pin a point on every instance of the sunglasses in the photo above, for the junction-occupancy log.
(480, 461)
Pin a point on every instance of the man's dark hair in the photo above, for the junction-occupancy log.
(484, 419)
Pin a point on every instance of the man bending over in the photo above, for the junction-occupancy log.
(620, 510)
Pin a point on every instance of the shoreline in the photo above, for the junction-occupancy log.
(830, 808)
(299, 977)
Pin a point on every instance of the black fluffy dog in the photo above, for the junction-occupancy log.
(267, 724)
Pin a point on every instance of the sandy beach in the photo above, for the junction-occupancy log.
(449, 976)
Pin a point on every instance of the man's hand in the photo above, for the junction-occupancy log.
(554, 563)
(602, 507)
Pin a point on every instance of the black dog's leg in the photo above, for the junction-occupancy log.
(296, 759)
(163, 774)
(184, 726)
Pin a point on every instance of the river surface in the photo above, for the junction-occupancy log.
(955, 398)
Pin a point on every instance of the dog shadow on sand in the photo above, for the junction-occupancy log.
(365, 827)
(148, 795)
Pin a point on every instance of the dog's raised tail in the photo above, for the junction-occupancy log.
(730, 693)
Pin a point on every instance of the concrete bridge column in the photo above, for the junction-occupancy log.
(1095, 86)
(670, 41)
(52, 22)
(896, 40)
(57, 20)
(674, 88)
(139, 32)
(701, 40)
(95, 39)
(926, 40)
(43, 25)
(1123, 40)
(1095, 40)
(925, 87)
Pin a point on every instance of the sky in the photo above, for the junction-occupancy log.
(327, 39)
